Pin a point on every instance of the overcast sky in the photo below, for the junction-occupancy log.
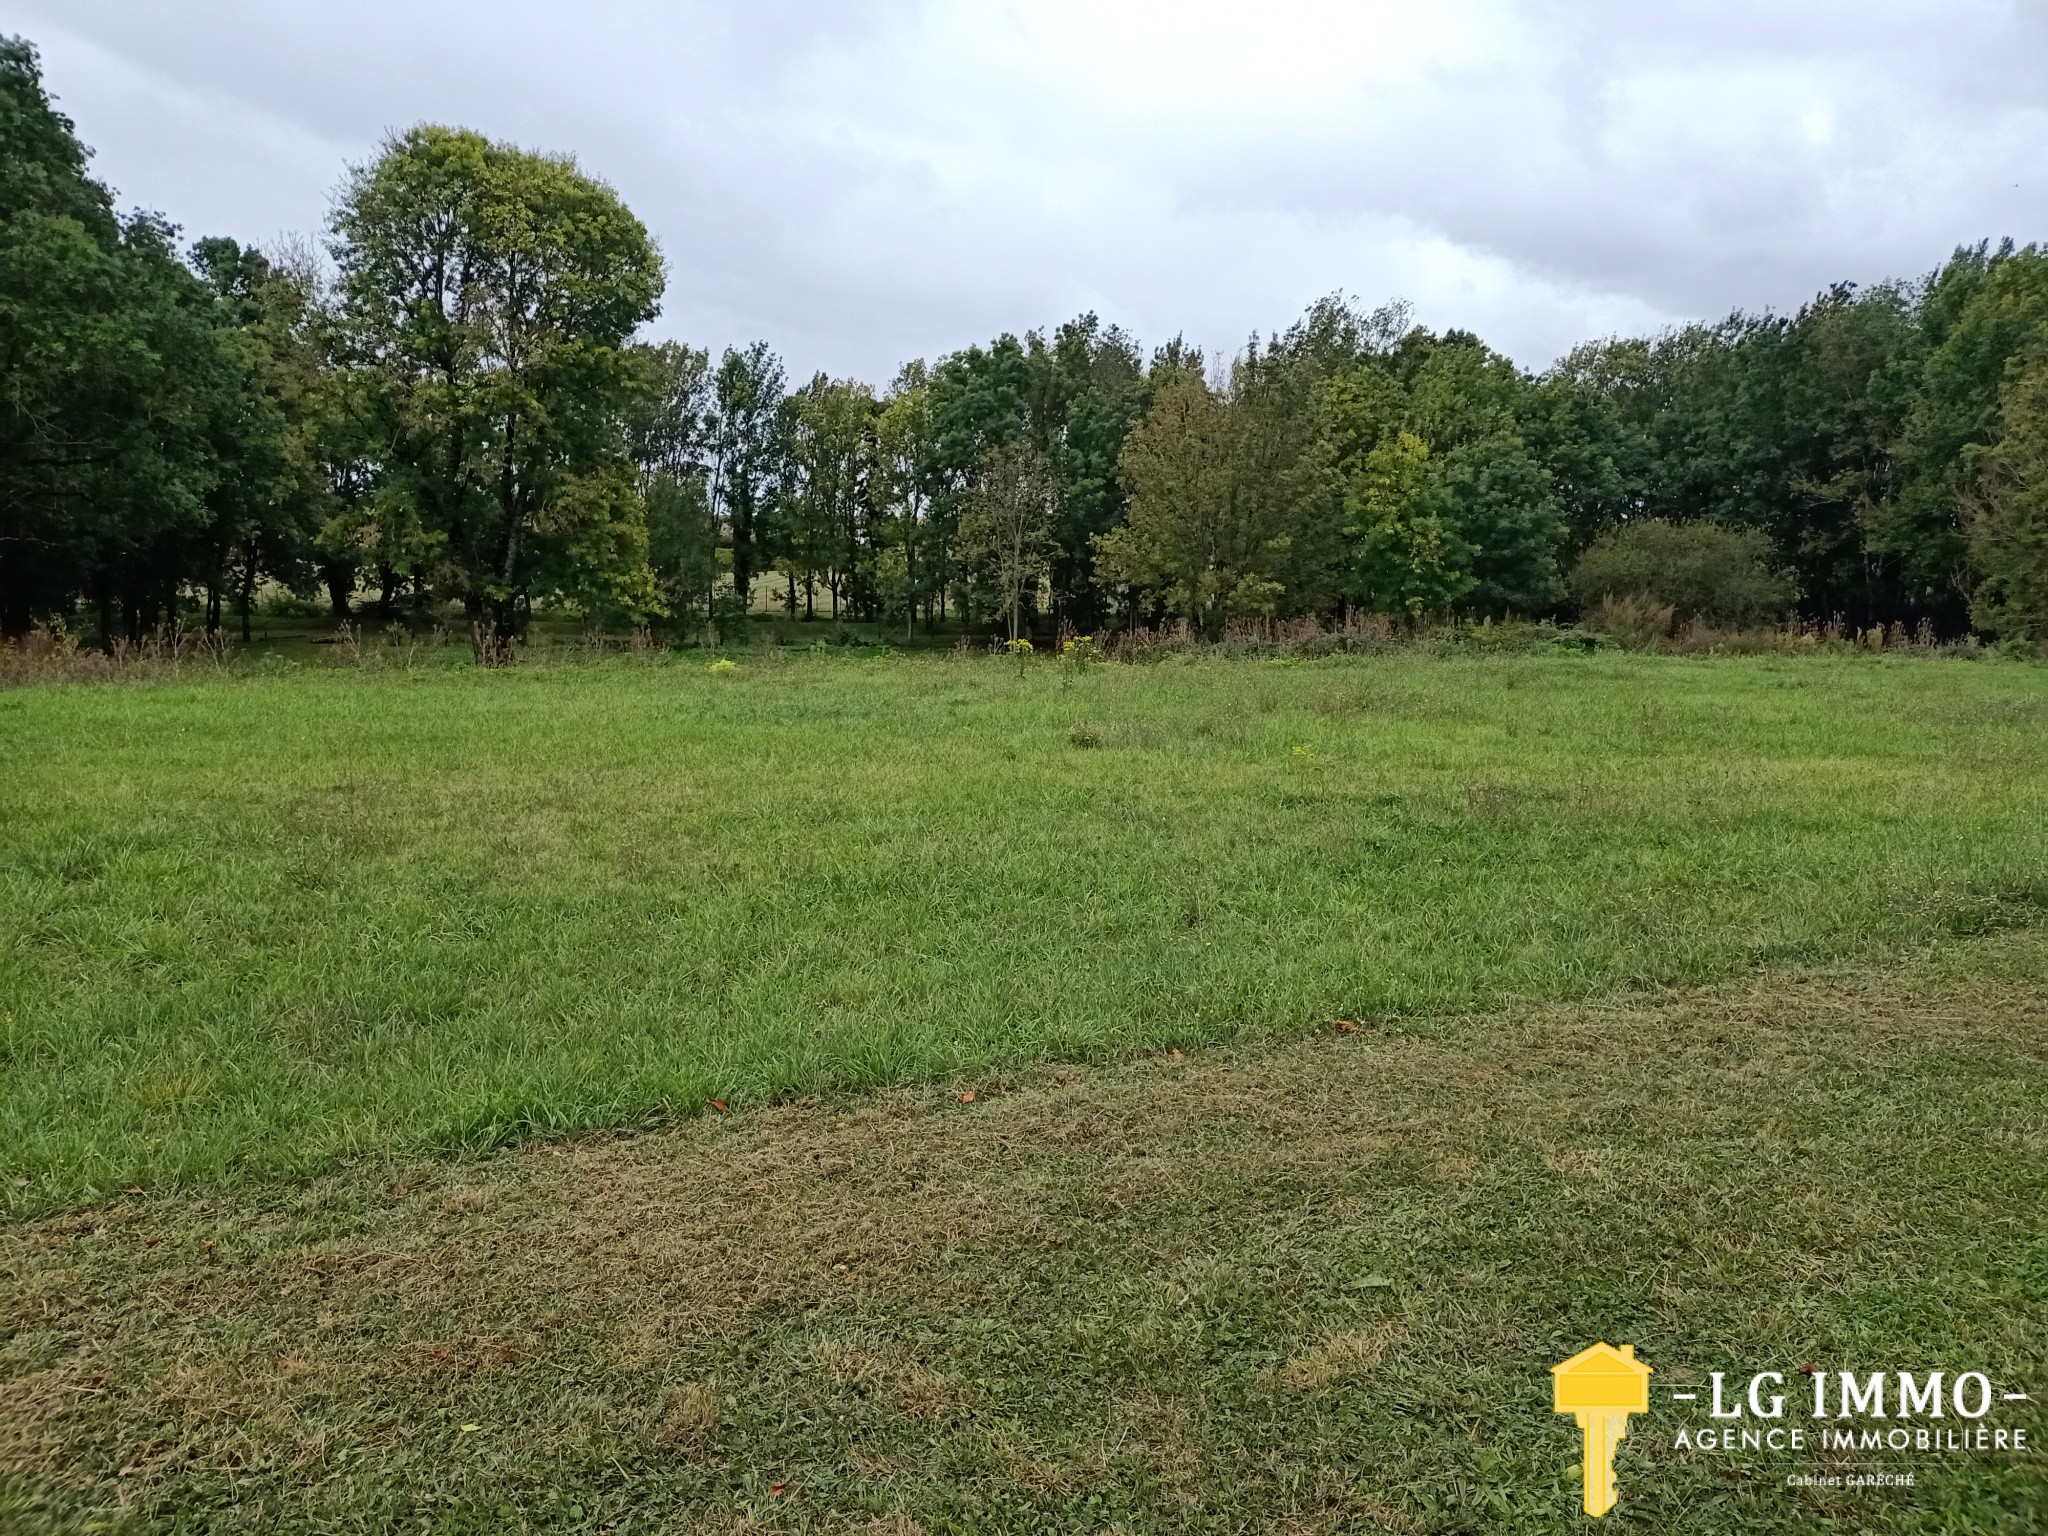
(864, 181)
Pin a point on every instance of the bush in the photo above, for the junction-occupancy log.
(1637, 623)
(728, 618)
(1724, 576)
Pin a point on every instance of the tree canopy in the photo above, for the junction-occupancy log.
(487, 297)
(456, 405)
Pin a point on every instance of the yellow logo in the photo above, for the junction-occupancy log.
(1600, 1387)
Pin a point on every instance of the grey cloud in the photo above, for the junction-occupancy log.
(864, 182)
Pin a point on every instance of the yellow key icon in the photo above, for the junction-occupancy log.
(1600, 1387)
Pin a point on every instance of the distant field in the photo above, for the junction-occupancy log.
(255, 925)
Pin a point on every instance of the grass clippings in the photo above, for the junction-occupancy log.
(1312, 1285)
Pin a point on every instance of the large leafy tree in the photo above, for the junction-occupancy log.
(1275, 478)
(979, 400)
(1196, 538)
(749, 457)
(1582, 422)
(270, 430)
(1072, 396)
(2006, 510)
(1237, 493)
(1793, 426)
(910, 564)
(1501, 503)
(1848, 361)
(115, 388)
(828, 496)
(1095, 386)
(670, 426)
(66, 319)
(1448, 506)
(1408, 561)
(1985, 315)
(489, 296)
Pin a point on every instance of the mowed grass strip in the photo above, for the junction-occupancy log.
(1307, 1286)
(253, 926)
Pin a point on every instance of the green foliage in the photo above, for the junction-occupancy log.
(669, 427)
(1072, 397)
(1409, 562)
(1724, 576)
(1281, 484)
(1462, 517)
(1100, 388)
(467, 418)
(2007, 514)
(1985, 314)
(826, 533)
(1195, 537)
(1006, 530)
(1500, 502)
(1791, 426)
(133, 420)
(749, 457)
(910, 565)
(1579, 434)
(1250, 521)
(487, 299)
(277, 444)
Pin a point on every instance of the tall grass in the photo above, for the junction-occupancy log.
(57, 656)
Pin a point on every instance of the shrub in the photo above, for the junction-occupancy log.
(56, 656)
(1725, 576)
(1639, 623)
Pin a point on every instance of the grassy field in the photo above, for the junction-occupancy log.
(1310, 1286)
(254, 926)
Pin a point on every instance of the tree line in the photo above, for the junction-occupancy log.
(452, 406)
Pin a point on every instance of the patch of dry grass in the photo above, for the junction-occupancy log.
(1343, 1359)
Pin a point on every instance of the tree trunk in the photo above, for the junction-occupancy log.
(1016, 578)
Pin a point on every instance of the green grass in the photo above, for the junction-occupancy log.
(255, 925)
(1294, 1287)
